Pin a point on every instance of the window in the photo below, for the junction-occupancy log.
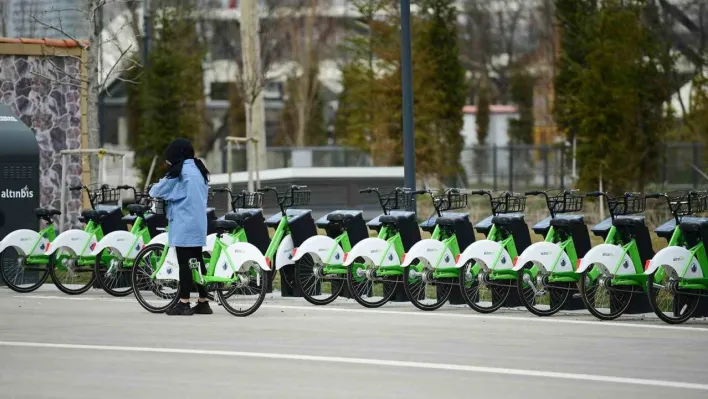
(219, 91)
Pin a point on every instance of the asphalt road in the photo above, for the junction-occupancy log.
(94, 346)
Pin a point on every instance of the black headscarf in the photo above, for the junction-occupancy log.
(179, 151)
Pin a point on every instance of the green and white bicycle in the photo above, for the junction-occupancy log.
(292, 228)
(116, 252)
(429, 267)
(487, 278)
(24, 263)
(677, 276)
(374, 269)
(546, 274)
(612, 274)
(238, 273)
(319, 261)
(73, 271)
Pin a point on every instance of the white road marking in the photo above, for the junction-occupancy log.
(414, 313)
(372, 362)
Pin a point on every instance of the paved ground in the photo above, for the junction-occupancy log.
(94, 346)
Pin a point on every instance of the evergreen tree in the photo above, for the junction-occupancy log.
(521, 128)
(439, 41)
(171, 91)
(483, 115)
(612, 83)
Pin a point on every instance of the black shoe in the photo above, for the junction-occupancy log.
(202, 308)
(180, 309)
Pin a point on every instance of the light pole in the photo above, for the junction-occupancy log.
(407, 93)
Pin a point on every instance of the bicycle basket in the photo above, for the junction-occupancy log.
(248, 200)
(688, 204)
(508, 204)
(158, 206)
(404, 199)
(297, 198)
(626, 205)
(105, 196)
(450, 201)
(565, 202)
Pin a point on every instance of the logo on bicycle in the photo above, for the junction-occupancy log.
(503, 260)
(626, 264)
(562, 262)
(224, 266)
(390, 256)
(545, 253)
(694, 267)
(169, 270)
(447, 258)
(336, 256)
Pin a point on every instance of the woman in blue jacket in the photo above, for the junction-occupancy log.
(184, 188)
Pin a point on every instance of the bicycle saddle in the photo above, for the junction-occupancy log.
(224, 226)
(46, 212)
(138, 209)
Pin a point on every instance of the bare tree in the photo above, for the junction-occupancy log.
(494, 33)
(307, 34)
(91, 12)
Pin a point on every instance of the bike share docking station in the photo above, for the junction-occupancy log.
(19, 181)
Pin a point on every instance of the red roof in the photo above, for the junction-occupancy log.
(494, 109)
(48, 42)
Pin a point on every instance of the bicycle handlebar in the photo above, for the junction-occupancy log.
(535, 192)
(655, 195)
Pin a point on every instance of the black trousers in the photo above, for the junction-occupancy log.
(184, 255)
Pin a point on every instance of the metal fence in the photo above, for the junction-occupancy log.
(287, 157)
(521, 167)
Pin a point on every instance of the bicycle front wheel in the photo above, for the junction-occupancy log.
(155, 296)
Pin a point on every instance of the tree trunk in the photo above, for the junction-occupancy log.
(253, 76)
(249, 146)
(301, 124)
(94, 139)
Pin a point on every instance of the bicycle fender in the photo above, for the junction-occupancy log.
(323, 249)
(24, 240)
(123, 242)
(159, 239)
(614, 261)
(546, 255)
(242, 255)
(432, 253)
(211, 241)
(680, 259)
(75, 240)
(375, 251)
(170, 268)
(489, 254)
(284, 254)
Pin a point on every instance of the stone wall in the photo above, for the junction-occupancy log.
(45, 93)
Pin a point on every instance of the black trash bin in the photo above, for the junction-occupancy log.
(19, 175)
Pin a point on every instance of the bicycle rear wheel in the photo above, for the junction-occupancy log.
(602, 299)
(115, 280)
(540, 296)
(671, 304)
(424, 291)
(248, 294)
(482, 294)
(68, 276)
(367, 288)
(18, 275)
(317, 288)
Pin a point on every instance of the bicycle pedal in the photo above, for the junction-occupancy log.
(194, 264)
